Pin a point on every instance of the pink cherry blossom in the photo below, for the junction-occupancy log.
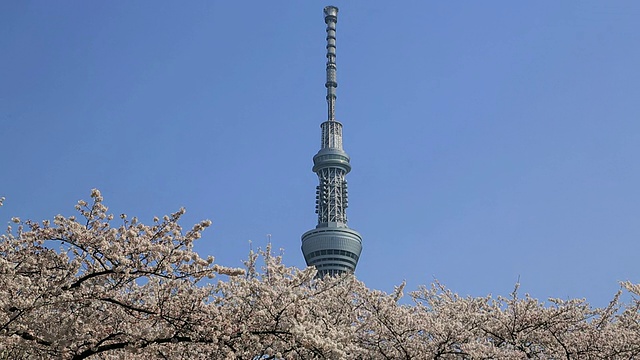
(98, 288)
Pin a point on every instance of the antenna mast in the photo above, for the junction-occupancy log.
(331, 19)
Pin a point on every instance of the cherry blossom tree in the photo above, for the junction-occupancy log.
(97, 286)
(75, 288)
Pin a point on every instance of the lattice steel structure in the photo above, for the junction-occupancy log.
(332, 247)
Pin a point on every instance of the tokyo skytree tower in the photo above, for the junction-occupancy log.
(332, 247)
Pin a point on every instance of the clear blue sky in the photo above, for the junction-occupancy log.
(489, 140)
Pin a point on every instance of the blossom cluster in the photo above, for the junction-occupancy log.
(105, 287)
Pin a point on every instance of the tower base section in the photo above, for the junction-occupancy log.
(332, 250)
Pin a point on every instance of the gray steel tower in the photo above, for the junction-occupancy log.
(331, 247)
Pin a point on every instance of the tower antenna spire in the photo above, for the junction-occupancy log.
(331, 19)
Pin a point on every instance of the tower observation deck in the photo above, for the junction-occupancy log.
(332, 247)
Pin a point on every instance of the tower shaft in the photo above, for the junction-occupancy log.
(332, 247)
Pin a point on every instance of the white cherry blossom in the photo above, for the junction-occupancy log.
(93, 287)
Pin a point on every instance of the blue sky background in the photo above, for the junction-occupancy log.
(490, 141)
